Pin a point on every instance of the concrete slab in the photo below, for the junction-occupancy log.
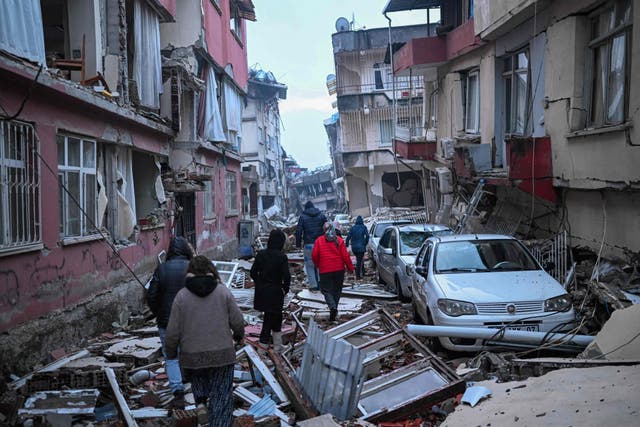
(619, 338)
(580, 397)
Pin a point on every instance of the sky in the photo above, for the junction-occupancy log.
(292, 39)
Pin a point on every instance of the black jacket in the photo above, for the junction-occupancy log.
(270, 273)
(310, 226)
(168, 279)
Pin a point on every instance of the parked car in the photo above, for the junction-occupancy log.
(486, 281)
(344, 222)
(375, 233)
(397, 252)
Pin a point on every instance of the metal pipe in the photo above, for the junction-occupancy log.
(395, 108)
(524, 337)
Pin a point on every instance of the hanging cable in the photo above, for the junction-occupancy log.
(26, 98)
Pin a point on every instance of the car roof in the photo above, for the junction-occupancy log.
(467, 237)
(393, 221)
(423, 227)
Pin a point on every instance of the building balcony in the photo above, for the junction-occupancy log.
(430, 52)
(473, 161)
(415, 150)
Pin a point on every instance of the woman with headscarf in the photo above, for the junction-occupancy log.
(358, 237)
(270, 273)
(331, 258)
(205, 321)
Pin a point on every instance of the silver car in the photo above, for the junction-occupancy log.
(397, 252)
(375, 233)
(486, 281)
(344, 222)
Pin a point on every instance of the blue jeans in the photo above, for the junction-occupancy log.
(309, 267)
(359, 264)
(172, 366)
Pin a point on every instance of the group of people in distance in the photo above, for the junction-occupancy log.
(200, 323)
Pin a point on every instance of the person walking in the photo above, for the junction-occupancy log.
(358, 237)
(308, 230)
(205, 321)
(331, 257)
(166, 282)
(270, 273)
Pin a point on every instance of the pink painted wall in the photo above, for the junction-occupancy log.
(35, 283)
(170, 5)
(224, 228)
(222, 44)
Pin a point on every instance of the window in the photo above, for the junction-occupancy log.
(235, 22)
(516, 90)
(20, 223)
(381, 75)
(386, 132)
(385, 239)
(77, 173)
(231, 193)
(610, 50)
(472, 102)
(208, 201)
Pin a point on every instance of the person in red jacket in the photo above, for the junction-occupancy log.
(330, 258)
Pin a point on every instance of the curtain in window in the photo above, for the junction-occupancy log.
(615, 111)
(211, 123)
(126, 194)
(21, 30)
(158, 187)
(233, 109)
(147, 64)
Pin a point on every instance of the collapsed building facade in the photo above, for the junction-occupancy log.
(126, 115)
(556, 147)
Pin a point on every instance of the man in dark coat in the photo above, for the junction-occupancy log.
(308, 230)
(167, 280)
(358, 237)
(270, 272)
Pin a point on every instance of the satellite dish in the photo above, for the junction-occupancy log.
(342, 24)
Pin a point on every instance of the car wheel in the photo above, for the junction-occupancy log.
(401, 296)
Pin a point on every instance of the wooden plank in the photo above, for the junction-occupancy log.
(122, 403)
(266, 373)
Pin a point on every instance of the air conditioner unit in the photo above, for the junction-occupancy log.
(446, 148)
(445, 180)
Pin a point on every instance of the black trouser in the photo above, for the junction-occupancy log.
(359, 264)
(272, 322)
(331, 287)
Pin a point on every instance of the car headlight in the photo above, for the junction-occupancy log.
(456, 308)
(560, 303)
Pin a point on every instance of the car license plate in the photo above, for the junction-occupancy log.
(528, 328)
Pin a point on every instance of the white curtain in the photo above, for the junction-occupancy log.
(233, 108)
(21, 31)
(213, 130)
(125, 193)
(158, 187)
(147, 63)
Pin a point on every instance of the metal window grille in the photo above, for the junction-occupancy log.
(77, 172)
(20, 215)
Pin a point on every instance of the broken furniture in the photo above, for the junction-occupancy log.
(73, 64)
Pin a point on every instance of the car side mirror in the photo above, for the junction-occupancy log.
(548, 265)
(421, 271)
(387, 251)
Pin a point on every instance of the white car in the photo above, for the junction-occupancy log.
(344, 222)
(486, 281)
(375, 233)
(397, 252)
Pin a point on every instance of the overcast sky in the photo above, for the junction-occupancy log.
(292, 39)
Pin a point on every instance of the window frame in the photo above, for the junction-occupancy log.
(510, 120)
(208, 200)
(606, 40)
(235, 21)
(231, 193)
(476, 113)
(29, 164)
(64, 198)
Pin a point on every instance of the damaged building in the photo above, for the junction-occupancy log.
(558, 150)
(126, 116)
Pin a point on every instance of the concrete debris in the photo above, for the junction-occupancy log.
(68, 402)
(619, 338)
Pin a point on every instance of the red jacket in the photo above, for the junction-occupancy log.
(330, 256)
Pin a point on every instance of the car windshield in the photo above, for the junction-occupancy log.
(411, 241)
(342, 217)
(482, 255)
(379, 230)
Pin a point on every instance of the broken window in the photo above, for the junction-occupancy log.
(472, 102)
(382, 76)
(19, 186)
(231, 193)
(77, 174)
(209, 117)
(148, 195)
(610, 48)
(233, 113)
(235, 22)
(21, 29)
(144, 54)
(516, 89)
